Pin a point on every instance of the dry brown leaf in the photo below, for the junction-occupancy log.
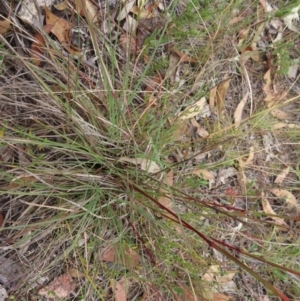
(123, 256)
(193, 110)
(86, 9)
(268, 210)
(5, 26)
(120, 288)
(61, 287)
(279, 114)
(146, 165)
(288, 196)
(279, 179)
(239, 110)
(50, 18)
(61, 29)
(199, 129)
(217, 97)
(37, 46)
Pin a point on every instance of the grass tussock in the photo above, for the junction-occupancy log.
(101, 175)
